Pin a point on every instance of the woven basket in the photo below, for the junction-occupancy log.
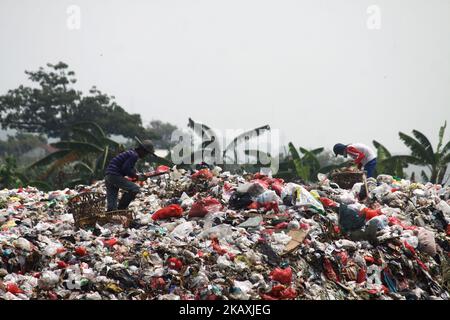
(89, 208)
(346, 180)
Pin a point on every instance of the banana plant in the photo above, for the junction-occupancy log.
(423, 154)
(87, 153)
(385, 164)
(305, 166)
(219, 153)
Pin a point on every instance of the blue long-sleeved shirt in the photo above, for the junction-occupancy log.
(123, 164)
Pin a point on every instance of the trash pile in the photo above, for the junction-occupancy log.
(214, 235)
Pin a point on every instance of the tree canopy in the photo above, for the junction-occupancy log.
(51, 105)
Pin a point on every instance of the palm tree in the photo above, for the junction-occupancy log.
(423, 154)
(385, 164)
(221, 154)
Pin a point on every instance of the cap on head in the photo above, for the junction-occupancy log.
(146, 145)
(339, 149)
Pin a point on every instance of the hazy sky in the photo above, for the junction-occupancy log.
(310, 68)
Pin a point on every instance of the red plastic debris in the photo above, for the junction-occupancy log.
(110, 242)
(277, 185)
(161, 169)
(280, 292)
(253, 205)
(13, 288)
(175, 263)
(371, 213)
(157, 283)
(362, 275)
(204, 206)
(80, 251)
(216, 247)
(283, 276)
(52, 295)
(369, 259)
(328, 202)
(62, 264)
(281, 225)
(329, 271)
(343, 257)
(304, 226)
(171, 211)
(203, 174)
(61, 250)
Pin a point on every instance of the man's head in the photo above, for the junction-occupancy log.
(145, 148)
(339, 149)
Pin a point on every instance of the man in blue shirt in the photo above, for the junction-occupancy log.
(120, 166)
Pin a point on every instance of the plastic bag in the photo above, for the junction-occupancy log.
(171, 211)
(350, 219)
(203, 174)
(204, 206)
(182, 230)
(283, 276)
(306, 199)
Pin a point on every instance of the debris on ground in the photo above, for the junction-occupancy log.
(212, 235)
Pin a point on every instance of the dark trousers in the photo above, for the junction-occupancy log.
(113, 184)
(370, 168)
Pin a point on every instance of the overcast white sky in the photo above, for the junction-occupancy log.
(310, 68)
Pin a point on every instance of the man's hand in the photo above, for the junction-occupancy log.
(142, 177)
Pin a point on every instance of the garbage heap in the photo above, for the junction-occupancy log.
(212, 235)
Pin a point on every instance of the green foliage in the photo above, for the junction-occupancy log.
(422, 154)
(306, 166)
(20, 144)
(84, 156)
(10, 177)
(385, 165)
(52, 105)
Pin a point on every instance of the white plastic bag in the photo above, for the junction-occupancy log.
(306, 199)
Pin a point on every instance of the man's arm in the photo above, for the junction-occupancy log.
(356, 153)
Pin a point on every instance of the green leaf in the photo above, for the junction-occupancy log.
(41, 185)
(417, 149)
(105, 158)
(404, 159)
(50, 158)
(424, 141)
(314, 151)
(88, 136)
(380, 148)
(249, 134)
(446, 148)
(302, 171)
(441, 136)
(81, 166)
(77, 146)
(424, 176)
